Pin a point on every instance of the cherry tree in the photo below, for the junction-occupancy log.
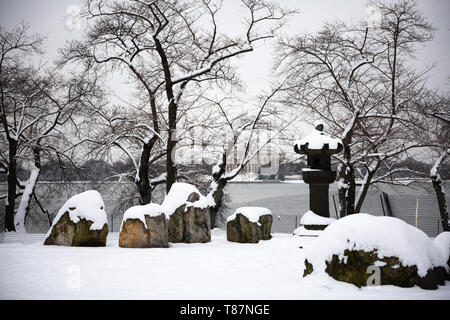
(432, 127)
(236, 136)
(169, 48)
(35, 105)
(357, 79)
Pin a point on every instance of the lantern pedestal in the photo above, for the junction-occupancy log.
(319, 181)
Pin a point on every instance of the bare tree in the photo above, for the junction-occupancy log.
(235, 139)
(13, 44)
(432, 127)
(116, 131)
(35, 105)
(356, 78)
(170, 47)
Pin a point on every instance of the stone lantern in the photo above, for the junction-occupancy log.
(319, 147)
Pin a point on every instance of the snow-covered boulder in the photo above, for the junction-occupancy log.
(144, 227)
(442, 242)
(189, 216)
(405, 255)
(249, 225)
(81, 221)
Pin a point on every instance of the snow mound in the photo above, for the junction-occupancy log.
(317, 139)
(251, 213)
(442, 242)
(179, 194)
(303, 232)
(310, 218)
(139, 212)
(391, 237)
(87, 205)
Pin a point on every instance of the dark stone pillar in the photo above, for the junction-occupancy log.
(319, 181)
(318, 199)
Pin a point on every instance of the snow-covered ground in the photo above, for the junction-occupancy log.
(216, 270)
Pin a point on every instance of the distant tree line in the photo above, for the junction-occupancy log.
(99, 170)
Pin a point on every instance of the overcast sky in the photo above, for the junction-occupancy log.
(49, 17)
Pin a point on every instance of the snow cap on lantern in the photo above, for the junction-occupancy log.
(318, 146)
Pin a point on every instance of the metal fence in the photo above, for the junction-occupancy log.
(287, 202)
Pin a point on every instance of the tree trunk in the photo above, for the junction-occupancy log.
(347, 191)
(343, 204)
(218, 198)
(342, 191)
(12, 186)
(440, 195)
(349, 176)
(171, 170)
(439, 190)
(24, 204)
(143, 181)
(351, 192)
(217, 186)
(364, 189)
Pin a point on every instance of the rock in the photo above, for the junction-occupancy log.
(350, 248)
(153, 234)
(134, 234)
(80, 222)
(190, 224)
(242, 230)
(176, 225)
(189, 213)
(144, 227)
(249, 225)
(266, 225)
(67, 233)
(197, 225)
(353, 268)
